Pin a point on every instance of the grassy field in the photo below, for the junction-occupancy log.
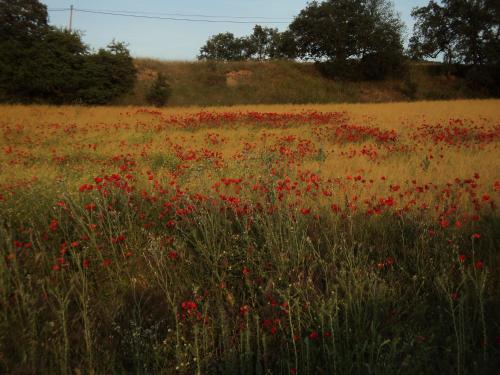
(253, 82)
(306, 239)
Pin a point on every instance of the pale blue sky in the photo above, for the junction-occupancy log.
(178, 40)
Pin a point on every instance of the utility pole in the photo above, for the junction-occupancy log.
(71, 18)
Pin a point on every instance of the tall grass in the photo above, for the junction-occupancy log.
(287, 82)
(137, 241)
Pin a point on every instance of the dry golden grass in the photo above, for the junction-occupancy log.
(174, 241)
(37, 137)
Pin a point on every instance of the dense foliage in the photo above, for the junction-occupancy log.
(366, 35)
(357, 40)
(461, 32)
(159, 92)
(264, 43)
(44, 64)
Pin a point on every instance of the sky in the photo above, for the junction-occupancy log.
(181, 40)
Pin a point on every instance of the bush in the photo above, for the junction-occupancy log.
(40, 63)
(159, 92)
(379, 66)
(341, 69)
(106, 75)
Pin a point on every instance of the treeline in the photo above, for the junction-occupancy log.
(40, 63)
(363, 39)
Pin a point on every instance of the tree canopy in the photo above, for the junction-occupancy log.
(41, 63)
(363, 35)
(462, 31)
(264, 43)
(338, 30)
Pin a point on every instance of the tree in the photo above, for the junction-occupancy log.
(269, 43)
(262, 39)
(223, 46)
(24, 20)
(368, 32)
(433, 34)
(282, 45)
(39, 62)
(461, 31)
(264, 43)
(159, 92)
(107, 74)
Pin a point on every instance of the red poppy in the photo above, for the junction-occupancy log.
(53, 225)
(313, 335)
(106, 262)
(189, 305)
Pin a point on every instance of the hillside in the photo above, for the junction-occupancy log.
(276, 82)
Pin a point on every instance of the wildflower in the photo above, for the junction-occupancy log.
(85, 263)
(313, 335)
(189, 305)
(173, 255)
(479, 265)
(245, 271)
(90, 207)
(444, 223)
(476, 236)
(106, 262)
(244, 310)
(305, 211)
(53, 225)
(85, 187)
(461, 258)
(335, 208)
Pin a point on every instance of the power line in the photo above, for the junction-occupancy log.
(171, 18)
(189, 15)
(175, 16)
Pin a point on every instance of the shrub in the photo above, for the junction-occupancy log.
(159, 92)
(40, 63)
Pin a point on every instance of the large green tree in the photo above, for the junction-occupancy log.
(223, 46)
(44, 64)
(344, 29)
(461, 31)
(341, 31)
(264, 43)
